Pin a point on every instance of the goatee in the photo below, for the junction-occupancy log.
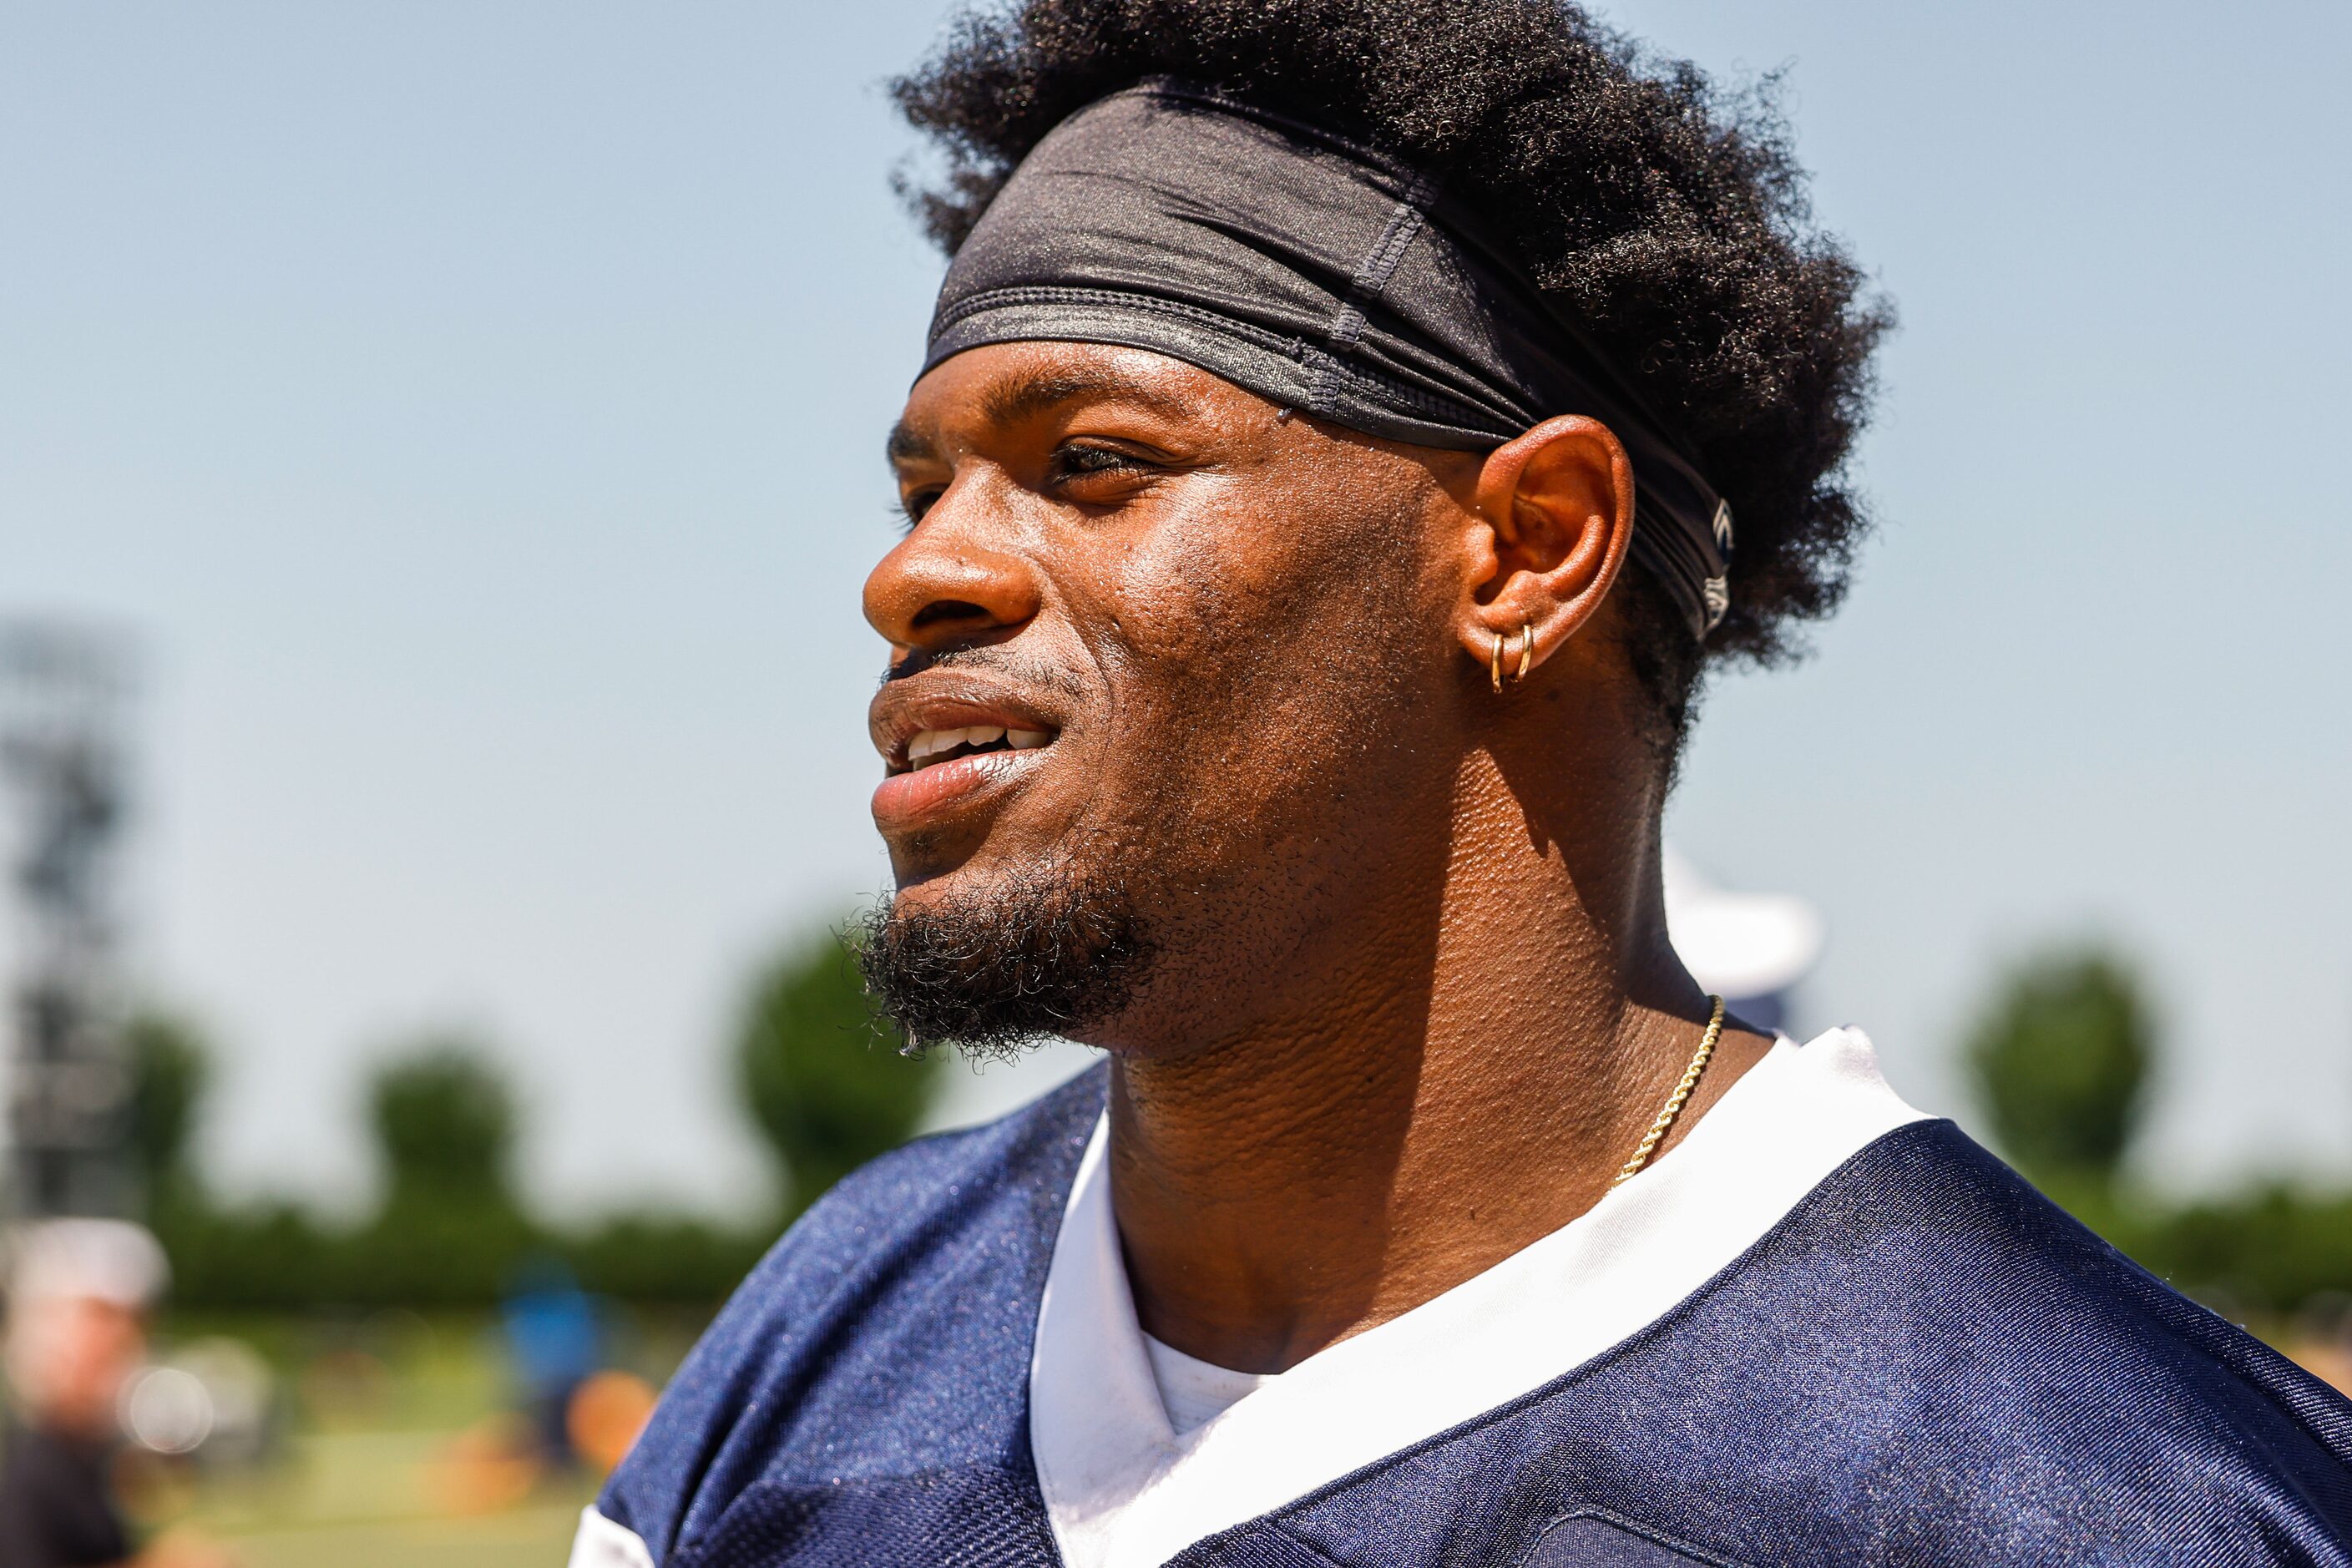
(1041, 953)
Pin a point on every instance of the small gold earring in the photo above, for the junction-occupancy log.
(1495, 663)
(1526, 650)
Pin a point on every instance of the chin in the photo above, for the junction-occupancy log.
(989, 956)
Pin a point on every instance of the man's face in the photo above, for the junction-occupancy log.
(69, 1357)
(1174, 684)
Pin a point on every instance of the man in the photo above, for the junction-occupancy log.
(78, 1293)
(1349, 428)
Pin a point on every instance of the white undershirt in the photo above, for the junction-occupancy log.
(1195, 1392)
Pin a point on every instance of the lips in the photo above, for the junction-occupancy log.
(907, 800)
(948, 751)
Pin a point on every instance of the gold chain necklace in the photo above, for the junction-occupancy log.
(1674, 1107)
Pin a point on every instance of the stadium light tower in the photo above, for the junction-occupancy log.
(63, 691)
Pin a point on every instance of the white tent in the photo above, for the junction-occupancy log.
(1741, 946)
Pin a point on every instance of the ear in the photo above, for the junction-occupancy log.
(1555, 515)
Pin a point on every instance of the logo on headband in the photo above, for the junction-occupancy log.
(1717, 591)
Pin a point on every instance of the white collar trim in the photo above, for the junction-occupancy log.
(1123, 1490)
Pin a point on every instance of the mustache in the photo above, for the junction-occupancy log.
(1014, 665)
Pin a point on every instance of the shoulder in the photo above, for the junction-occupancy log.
(55, 1503)
(1975, 1274)
(1924, 1361)
(888, 1214)
(927, 1259)
(1977, 1366)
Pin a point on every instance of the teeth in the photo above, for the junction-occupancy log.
(928, 743)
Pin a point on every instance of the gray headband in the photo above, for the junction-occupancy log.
(1320, 275)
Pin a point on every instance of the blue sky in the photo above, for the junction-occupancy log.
(475, 412)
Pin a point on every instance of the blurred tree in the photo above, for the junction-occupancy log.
(170, 1067)
(275, 1256)
(2062, 1058)
(654, 1257)
(444, 1126)
(451, 1228)
(821, 1071)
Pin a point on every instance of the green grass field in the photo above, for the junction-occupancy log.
(394, 1446)
(359, 1499)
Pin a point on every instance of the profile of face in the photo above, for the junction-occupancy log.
(1176, 676)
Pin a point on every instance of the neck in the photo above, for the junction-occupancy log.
(1398, 1124)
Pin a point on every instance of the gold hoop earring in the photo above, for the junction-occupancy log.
(1526, 649)
(1495, 663)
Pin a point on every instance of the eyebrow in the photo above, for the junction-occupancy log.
(1016, 398)
(904, 446)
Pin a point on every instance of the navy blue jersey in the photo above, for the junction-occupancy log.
(1920, 1361)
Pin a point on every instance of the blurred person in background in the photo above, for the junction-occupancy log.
(78, 1292)
(1349, 432)
(556, 1338)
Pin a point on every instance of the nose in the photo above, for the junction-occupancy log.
(946, 586)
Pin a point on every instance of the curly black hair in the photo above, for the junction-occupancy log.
(1669, 213)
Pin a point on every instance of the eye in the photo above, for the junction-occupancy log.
(911, 505)
(1077, 460)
